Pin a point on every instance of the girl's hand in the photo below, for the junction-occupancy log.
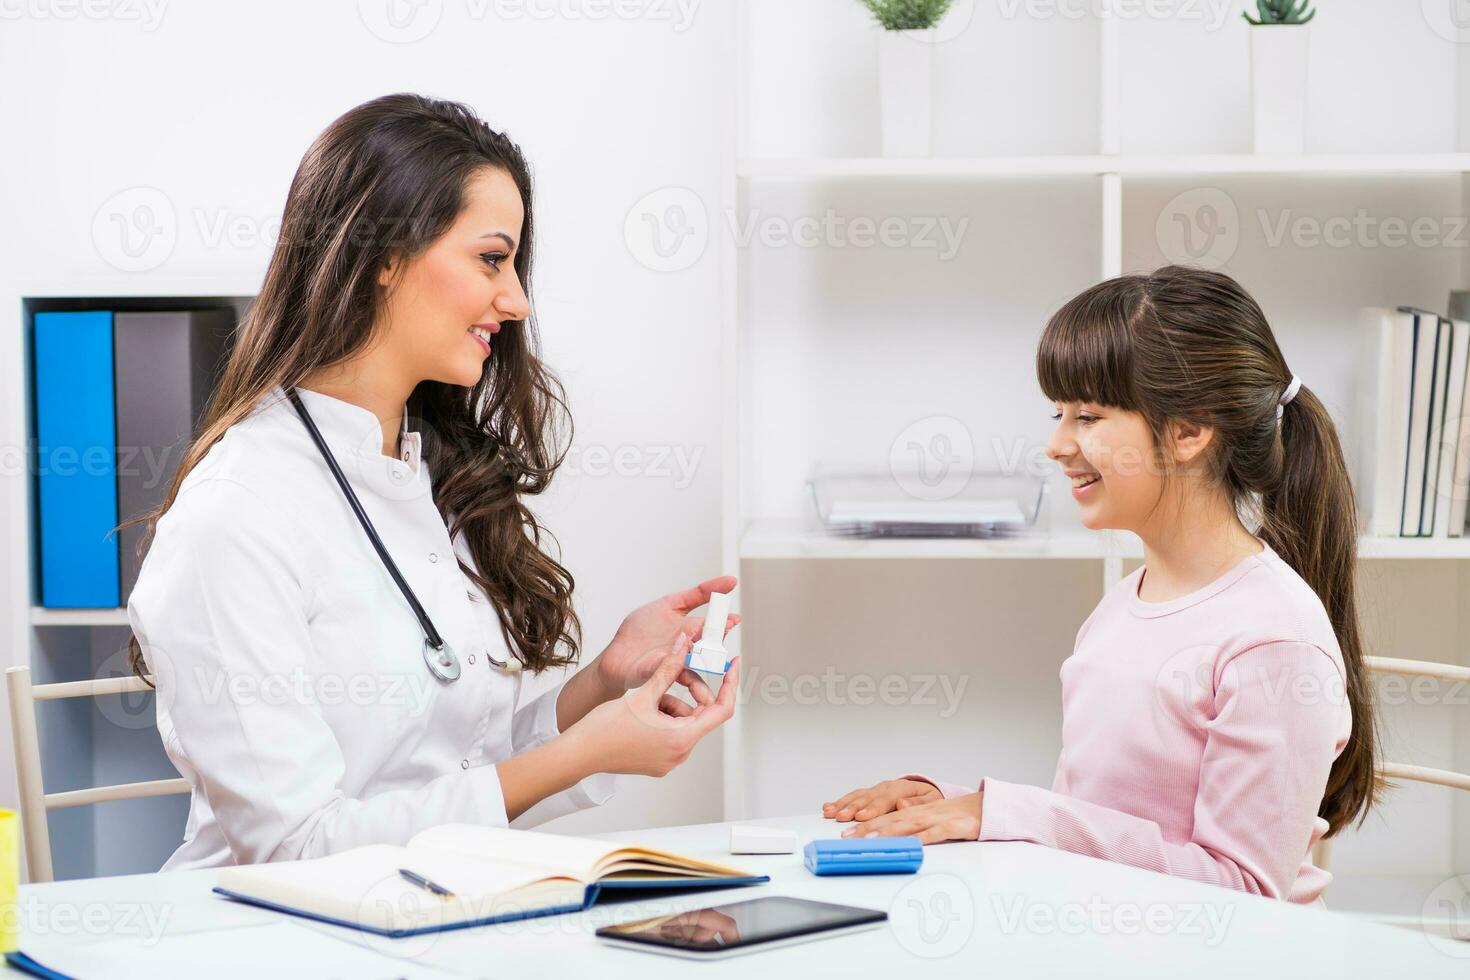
(642, 641)
(957, 818)
(650, 731)
(887, 796)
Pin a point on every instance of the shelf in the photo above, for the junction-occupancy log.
(796, 539)
(1414, 548)
(88, 287)
(1222, 164)
(79, 617)
(788, 539)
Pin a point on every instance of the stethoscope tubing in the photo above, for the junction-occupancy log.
(430, 632)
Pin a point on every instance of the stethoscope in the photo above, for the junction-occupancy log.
(438, 654)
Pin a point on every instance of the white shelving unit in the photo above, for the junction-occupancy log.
(831, 350)
(73, 644)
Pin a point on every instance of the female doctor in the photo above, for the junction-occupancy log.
(344, 581)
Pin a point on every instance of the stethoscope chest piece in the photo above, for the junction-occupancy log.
(442, 662)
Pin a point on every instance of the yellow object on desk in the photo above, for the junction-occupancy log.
(9, 877)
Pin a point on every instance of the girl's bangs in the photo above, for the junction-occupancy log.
(1086, 352)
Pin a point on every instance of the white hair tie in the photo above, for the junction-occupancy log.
(1287, 395)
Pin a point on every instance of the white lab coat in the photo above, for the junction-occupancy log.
(292, 690)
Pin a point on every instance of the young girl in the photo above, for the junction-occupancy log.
(1216, 720)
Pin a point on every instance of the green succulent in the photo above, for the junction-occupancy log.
(907, 15)
(1281, 12)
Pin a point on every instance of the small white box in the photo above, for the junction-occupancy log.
(762, 840)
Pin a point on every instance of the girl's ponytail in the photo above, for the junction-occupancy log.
(1309, 517)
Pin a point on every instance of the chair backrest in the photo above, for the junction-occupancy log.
(1322, 852)
(35, 802)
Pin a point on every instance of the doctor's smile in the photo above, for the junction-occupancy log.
(483, 332)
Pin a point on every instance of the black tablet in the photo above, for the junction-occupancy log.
(741, 927)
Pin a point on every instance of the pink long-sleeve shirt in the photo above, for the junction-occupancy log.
(1197, 735)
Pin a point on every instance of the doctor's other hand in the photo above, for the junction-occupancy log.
(885, 797)
(648, 732)
(643, 640)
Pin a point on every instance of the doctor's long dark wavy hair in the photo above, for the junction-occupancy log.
(385, 180)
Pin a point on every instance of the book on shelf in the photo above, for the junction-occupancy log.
(1454, 466)
(1414, 451)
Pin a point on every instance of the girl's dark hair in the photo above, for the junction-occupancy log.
(385, 180)
(1186, 344)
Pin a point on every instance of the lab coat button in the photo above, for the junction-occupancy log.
(472, 658)
(464, 763)
(433, 557)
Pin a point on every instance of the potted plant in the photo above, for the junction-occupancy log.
(1279, 74)
(905, 70)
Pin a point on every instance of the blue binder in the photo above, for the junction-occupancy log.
(76, 460)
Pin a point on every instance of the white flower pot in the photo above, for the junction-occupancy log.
(1279, 87)
(905, 90)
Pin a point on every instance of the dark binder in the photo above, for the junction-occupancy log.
(166, 366)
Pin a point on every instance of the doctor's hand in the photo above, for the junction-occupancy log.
(650, 731)
(643, 640)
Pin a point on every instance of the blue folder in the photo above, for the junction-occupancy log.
(76, 443)
(20, 961)
(589, 898)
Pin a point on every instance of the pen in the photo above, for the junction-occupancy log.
(423, 882)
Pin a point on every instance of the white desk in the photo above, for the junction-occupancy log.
(992, 910)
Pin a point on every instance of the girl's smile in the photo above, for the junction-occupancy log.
(1083, 482)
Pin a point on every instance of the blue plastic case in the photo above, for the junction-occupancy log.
(864, 856)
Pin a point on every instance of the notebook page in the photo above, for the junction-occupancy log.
(548, 853)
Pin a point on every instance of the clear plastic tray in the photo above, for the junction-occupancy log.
(883, 504)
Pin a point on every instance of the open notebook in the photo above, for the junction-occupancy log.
(495, 875)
